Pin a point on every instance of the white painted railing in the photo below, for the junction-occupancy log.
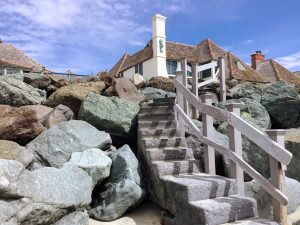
(273, 144)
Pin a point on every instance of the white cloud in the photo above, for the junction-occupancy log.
(82, 33)
(248, 41)
(290, 61)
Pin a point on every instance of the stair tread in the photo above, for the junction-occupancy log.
(253, 221)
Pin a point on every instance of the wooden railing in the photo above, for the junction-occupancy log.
(273, 144)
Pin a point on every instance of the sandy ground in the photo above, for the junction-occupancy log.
(149, 214)
(146, 214)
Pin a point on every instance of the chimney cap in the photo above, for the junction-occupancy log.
(159, 16)
(258, 52)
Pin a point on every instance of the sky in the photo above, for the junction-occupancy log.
(87, 36)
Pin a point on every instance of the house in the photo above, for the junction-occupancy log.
(12, 60)
(273, 70)
(161, 57)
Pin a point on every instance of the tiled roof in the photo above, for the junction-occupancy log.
(297, 73)
(13, 55)
(177, 51)
(245, 73)
(203, 52)
(276, 72)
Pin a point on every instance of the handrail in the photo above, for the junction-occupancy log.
(270, 147)
(274, 192)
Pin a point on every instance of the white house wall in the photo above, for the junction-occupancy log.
(148, 70)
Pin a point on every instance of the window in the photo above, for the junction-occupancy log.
(171, 66)
(139, 68)
(122, 74)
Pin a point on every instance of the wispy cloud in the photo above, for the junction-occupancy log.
(291, 62)
(248, 41)
(82, 33)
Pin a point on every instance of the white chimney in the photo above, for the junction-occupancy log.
(159, 45)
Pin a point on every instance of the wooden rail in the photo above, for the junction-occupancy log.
(273, 144)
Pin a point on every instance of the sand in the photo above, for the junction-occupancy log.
(146, 214)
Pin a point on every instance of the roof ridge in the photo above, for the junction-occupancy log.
(209, 47)
(122, 62)
(175, 42)
(22, 53)
(274, 68)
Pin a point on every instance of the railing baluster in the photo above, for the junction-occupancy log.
(195, 113)
(235, 144)
(278, 178)
(179, 97)
(208, 131)
(184, 82)
(221, 64)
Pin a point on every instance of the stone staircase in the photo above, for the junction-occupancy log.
(176, 180)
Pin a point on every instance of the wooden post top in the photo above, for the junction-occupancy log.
(232, 106)
(276, 132)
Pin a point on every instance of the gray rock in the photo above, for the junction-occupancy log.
(75, 218)
(264, 200)
(292, 143)
(246, 90)
(125, 194)
(252, 111)
(281, 101)
(123, 189)
(12, 151)
(44, 195)
(154, 93)
(55, 146)
(37, 80)
(111, 114)
(94, 162)
(17, 93)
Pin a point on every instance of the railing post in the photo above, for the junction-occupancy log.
(208, 131)
(180, 102)
(195, 113)
(184, 82)
(221, 64)
(277, 172)
(235, 144)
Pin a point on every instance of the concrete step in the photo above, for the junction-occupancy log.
(157, 109)
(164, 142)
(195, 187)
(221, 210)
(254, 221)
(177, 167)
(156, 117)
(170, 154)
(169, 99)
(168, 133)
(153, 125)
(161, 104)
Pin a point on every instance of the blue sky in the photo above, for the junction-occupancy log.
(91, 35)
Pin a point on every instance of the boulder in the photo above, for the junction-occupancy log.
(19, 124)
(58, 81)
(44, 195)
(264, 200)
(75, 218)
(252, 111)
(292, 143)
(37, 80)
(162, 83)
(93, 161)
(138, 80)
(50, 90)
(72, 95)
(155, 93)
(281, 101)
(49, 117)
(17, 93)
(246, 90)
(55, 146)
(12, 151)
(123, 188)
(125, 89)
(111, 114)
